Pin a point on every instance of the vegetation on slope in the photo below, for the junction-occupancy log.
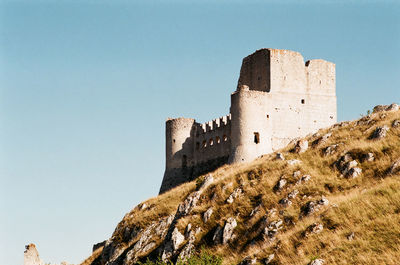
(361, 219)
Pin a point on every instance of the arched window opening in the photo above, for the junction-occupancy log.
(256, 137)
(211, 142)
(225, 138)
(217, 139)
(197, 146)
(204, 144)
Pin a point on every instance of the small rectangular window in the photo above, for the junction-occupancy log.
(256, 137)
(303, 101)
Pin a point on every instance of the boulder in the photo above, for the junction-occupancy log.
(248, 261)
(279, 156)
(293, 162)
(315, 228)
(177, 239)
(330, 149)
(227, 233)
(236, 193)
(206, 182)
(395, 167)
(392, 107)
(369, 157)
(380, 132)
(396, 123)
(353, 172)
(293, 194)
(317, 262)
(207, 214)
(281, 183)
(301, 146)
(303, 179)
(350, 236)
(269, 259)
(323, 139)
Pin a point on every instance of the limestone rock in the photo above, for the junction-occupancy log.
(369, 157)
(207, 214)
(323, 139)
(248, 261)
(350, 237)
(315, 228)
(236, 193)
(293, 162)
(255, 210)
(330, 149)
(396, 123)
(188, 230)
(207, 181)
(395, 167)
(296, 174)
(301, 146)
(293, 194)
(189, 203)
(186, 252)
(279, 156)
(269, 259)
(177, 239)
(227, 233)
(281, 183)
(313, 206)
(303, 179)
(380, 132)
(353, 172)
(317, 262)
(31, 255)
(285, 202)
(391, 107)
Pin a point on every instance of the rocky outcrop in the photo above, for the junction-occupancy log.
(391, 107)
(31, 255)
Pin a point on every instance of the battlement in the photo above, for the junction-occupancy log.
(278, 97)
(214, 124)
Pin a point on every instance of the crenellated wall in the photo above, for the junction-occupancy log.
(279, 97)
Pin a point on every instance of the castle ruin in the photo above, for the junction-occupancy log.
(278, 98)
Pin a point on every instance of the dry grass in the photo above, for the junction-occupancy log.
(368, 205)
(92, 257)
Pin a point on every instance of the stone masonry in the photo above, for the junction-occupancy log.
(278, 98)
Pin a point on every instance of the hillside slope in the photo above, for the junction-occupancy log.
(337, 199)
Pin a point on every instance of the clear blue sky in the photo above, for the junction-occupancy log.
(86, 87)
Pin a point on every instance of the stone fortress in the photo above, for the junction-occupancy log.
(278, 98)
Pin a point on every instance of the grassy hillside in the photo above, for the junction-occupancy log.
(360, 216)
